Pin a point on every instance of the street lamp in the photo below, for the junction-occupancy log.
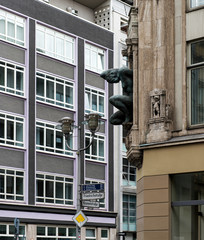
(93, 121)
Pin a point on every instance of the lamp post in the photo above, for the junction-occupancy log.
(93, 121)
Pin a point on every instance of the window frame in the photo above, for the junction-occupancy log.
(191, 6)
(98, 93)
(90, 238)
(49, 32)
(127, 182)
(90, 50)
(11, 235)
(16, 120)
(128, 211)
(8, 90)
(46, 126)
(190, 67)
(16, 20)
(20, 174)
(54, 179)
(56, 236)
(56, 81)
(88, 155)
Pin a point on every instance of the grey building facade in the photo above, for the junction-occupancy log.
(50, 63)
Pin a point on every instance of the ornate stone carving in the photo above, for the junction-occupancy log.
(159, 124)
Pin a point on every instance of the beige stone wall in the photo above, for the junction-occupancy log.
(156, 55)
(153, 203)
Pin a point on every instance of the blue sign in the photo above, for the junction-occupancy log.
(93, 187)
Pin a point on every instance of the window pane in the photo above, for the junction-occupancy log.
(2, 76)
(68, 191)
(59, 46)
(11, 30)
(10, 78)
(69, 95)
(59, 92)
(49, 138)
(49, 46)
(19, 132)
(2, 25)
(101, 104)
(10, 130)
(59, 140)
(72, 232)
(87, 101)
(2, 229)
(1, 184)
(1, 128)
(19, 185)
(40, 136)
(101, 148)
(59, 190)
(104, 233)
(196, 3)
(49, 189)
(40, 87)
(94, 102)
(197, 52)
(10, 184)
(20, 33)
(94, 147)
(19, 81)
(197, 96)
(40, 40)
(51, 231)
(40, 231)
(50, 90)
(40, 187)
(90, 233)
(62, 231)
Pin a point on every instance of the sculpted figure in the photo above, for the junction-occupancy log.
(122, 102)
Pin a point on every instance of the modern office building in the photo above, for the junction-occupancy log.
(167, 135)
(50, 61)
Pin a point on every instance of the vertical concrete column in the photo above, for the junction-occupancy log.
(112, 234)
(31, 232)
(98, 236)
(83, 233)
(153, 206)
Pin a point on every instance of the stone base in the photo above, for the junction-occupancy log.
(159, 130)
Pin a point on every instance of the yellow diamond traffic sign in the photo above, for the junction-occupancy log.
(80, 219)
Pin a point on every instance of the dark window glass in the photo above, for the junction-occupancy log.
(10, 184)
(10, 130)
(40, 188)
(1, 128)
(49, 189)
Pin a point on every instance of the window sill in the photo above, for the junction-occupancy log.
(189, 9)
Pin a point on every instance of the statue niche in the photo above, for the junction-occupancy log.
(122, 102)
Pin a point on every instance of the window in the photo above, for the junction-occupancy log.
(129, 173)
(94, 101)
(55, 233)
(197, 3)
(11, 78)
(104, 234)
(50, 139)
(94, 58)
(7, 231)
(196, 73)
(54, 189)
(55, 44)
(101, 201)
(90, 234)
(11, 185)
(129, 212)
(55, 91)
(12, 28)
(11, 130)
(187, 206)
(97, 149)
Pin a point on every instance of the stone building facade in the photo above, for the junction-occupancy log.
(166, 52)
